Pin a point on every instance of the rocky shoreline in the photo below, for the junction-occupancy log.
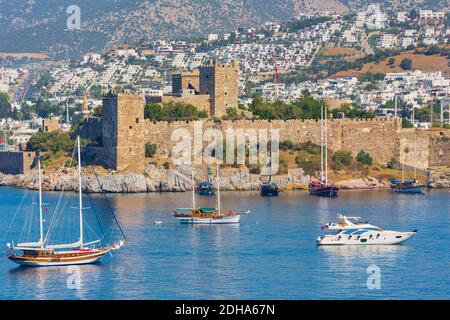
(158, 179)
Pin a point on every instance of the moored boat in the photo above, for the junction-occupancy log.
(205, 188)
(355, 231)
(196, 215)
(320, 189)
(43, 254)
(409, 186)
(270, 189)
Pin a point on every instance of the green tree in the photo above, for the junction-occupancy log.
(172, 111)
(45, 109)
(364, 158)
(52, 142)
(5, 106)
(353, 111)
(343, 157)
(406, 64)
(150, 149)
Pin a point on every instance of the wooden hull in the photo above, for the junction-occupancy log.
(58, 260)
(269, 191)
(409, 189)
(326, 191)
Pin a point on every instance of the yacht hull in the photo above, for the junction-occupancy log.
(27, 261)
(372, 238)
(197, 220)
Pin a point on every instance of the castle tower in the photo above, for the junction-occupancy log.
(123, 131)
(220, 82)
(185, 81)
(85, 106)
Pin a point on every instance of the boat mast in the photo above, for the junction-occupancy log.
(326, 143)
(80, 192)
(270, 159)
(321, 143)
(41, 221)
(219, 205)
(193, 190)
(415, 158)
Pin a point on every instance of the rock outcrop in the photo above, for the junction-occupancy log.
(159, 179)
(439, 178)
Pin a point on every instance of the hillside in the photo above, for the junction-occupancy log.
(419, 61)
(40, 26)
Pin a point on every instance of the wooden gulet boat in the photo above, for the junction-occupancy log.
(408, 186)
(196, 215)
(322, 188)
(40, 254)
(270, 187)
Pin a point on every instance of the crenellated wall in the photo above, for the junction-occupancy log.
(123, 132)
(379, 137)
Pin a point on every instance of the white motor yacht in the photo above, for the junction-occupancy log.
(355, 231)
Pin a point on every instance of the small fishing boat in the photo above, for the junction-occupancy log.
(355, 231)
(270, 189)
(321, 188)
(196, 215)
(206, 188)
(42, 254)
(409, 186)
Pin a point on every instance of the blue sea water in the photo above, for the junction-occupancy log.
(271, 254)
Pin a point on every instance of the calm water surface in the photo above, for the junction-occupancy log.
(271, 255)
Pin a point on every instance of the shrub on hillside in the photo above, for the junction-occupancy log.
(364, 158)
(308, 162)
(406, 64)
(150, 149)
(342, 158)
(393, 163)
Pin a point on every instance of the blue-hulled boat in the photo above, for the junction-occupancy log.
(407, 186)
(205, 188)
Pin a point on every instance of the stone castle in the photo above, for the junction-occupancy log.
(212, 88)
(119, 137)
(122, 133)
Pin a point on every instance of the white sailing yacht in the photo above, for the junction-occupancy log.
(40, 254)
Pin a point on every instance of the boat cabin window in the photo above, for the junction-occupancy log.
(30, 253)
(356, 220)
